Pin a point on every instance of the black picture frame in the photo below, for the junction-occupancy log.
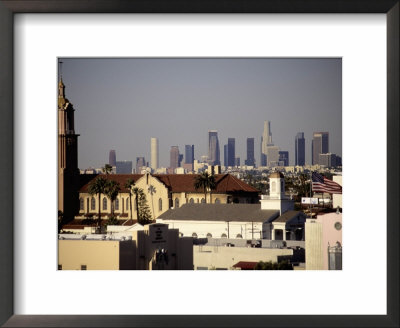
(7, 10)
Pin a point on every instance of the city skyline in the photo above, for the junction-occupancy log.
(122, 103)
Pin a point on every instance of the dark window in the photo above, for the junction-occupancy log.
(81, 204)
(92, 204)
(83, 267)
(104, 203)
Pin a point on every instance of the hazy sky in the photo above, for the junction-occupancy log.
(121, 103)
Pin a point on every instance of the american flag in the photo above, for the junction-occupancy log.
(322, 184)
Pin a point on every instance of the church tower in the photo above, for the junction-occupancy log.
(68, 172)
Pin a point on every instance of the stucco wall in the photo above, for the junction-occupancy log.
(214, 257)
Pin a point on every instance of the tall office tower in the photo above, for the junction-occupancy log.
(319, 145)
(68, 172)
(189, 154)
(231, 152)
(112, 158)
(124, 167)
(225, 155)
(140, 162)
(250, 152)
(266, 141)
(272, 156)
(300, 149)
(237, 161)
(284, 158)
(174, 157)
(213, 148)
(328, 160)
(154, 153)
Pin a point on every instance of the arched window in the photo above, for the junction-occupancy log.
(127, 204)
(273, 186)
(203, 200)
(224, 235)
(176, 202)
(217, 201)
(92, 204)
(239, 235)
(81, 204)
(104, 203)
(191, 201)
(194, 235)
(159, 204)
(209, 235)
(134, 205)
(117, 204)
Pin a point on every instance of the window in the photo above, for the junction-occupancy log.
(176, 202)
(104, 203)
(203, 200)
(217, 201)
(127, 204)
(194, 235)
(224, 235)
(83, 267)
(239, 235)
(81, 204)
(160, 205)
(209, 235)
(117, 204)
(191, 201)
(92, 204)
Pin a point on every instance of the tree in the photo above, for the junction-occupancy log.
(284, 265)
(136, 191)
(151, 191)
(144, 214)
(107, 169)
(97, 187)
(129, 184)
(111, 190)
(206, 182)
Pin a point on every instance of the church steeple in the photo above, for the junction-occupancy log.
(61, 89)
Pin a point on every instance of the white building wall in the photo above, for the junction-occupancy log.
(222, 257)
(337, 198)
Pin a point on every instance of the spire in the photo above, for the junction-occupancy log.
(61, 86)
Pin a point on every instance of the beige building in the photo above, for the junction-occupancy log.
(154, 248)
(163, 191)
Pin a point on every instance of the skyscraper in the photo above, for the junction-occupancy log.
(250, 152)
(319, 145)
(123, 167)
(272, 156)
(266, 141)
(154, 153)
(112, 158)
(189, 154)
(213, 148)
(231, 152)
(300, 150)
(225, 155)
(174, 157)
(284, 158)
(140, 162)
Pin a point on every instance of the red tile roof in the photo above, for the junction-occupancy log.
(182, 182)
(245, 265)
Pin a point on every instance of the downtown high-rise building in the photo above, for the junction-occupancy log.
(213, 148)
(283, 158)
(189, 154)
(112, 158)
(231, 152)
(319, 145)
(225, 155)
(123, 167)
(174, 157)
(154, 153)
(266, 141)
(140, 162)
(300, 150)
(250, 160)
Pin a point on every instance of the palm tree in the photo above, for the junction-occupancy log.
(112, 189)
(206, 182)
(107, 169)
(129, 184)
(136, 191)
(151, 191)
(98, 186)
